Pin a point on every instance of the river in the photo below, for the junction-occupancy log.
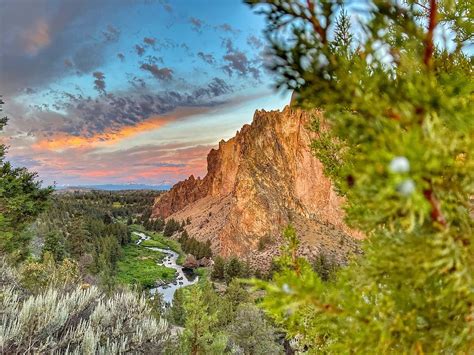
(182, 278)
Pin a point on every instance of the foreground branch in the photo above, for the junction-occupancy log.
(429, 45)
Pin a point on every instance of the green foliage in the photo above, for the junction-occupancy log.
(229, 317)
(198, 337)
(92, 226)
(21, 200)
(54, 244)
(171, 227)
(397, 141)
(236, 294)
(324, 267)
(218, 268)
(234, 268)
(37, 276)
(250, 333)
(177, 312)
(158, 240)
(193, 246)
(229, 269)
(138, 266)
(156, 225)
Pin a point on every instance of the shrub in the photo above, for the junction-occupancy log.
(80, 321)
(251, 333)
(35, 276)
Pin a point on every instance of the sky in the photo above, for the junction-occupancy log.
(128, 91)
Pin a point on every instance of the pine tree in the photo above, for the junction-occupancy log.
(159, 225)
(171, 227)
(218, 268)
(236, 294)
(55, 244)
(21, 200)
(232, 269)
(397, 141)
(77, 242)
(177, 312)
(198, 337)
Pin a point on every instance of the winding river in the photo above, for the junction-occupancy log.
(182, 278)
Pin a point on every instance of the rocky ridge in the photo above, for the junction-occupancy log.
(257, 182)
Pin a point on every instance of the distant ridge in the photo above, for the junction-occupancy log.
(116, 187)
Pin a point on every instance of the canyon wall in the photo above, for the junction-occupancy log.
(257, 182)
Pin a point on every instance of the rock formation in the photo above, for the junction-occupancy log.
(257, 182)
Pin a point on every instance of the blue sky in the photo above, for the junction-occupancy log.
(128, 91)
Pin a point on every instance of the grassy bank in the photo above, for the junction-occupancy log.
(157, 240)
(138, 266)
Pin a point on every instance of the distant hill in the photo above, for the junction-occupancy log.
(116, 187)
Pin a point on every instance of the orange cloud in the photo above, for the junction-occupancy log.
(37, 37)
(64, 141)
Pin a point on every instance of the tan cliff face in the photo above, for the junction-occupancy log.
(257, 182)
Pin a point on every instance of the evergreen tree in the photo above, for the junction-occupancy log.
(177, 312)
(198, 337)
(324, 266)
(54, 243)
(250, 333)
(21, 200)
(77, 242)
(159, 225)
(397, 141)
(218, 268)
(171, 227)
(232, 269)
(207, 249)
(236, 294)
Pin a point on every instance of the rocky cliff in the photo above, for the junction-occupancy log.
(257, 182)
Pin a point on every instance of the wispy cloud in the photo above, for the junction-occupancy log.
(87, 82)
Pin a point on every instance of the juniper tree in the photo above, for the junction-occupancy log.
(397, 141)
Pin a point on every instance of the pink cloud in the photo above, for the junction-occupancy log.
(36, 37)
